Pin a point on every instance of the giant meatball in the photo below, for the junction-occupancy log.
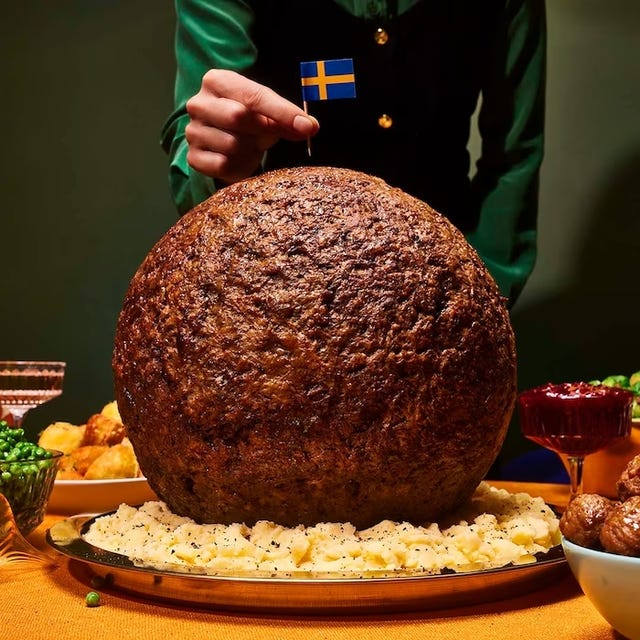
(313, 345)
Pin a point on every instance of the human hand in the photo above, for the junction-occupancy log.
(234, 120)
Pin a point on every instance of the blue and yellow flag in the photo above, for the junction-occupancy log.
(327, 79)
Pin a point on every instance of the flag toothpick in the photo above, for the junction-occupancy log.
(326, 80)
(305, 106)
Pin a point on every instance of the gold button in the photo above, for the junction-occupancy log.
(385, 121)
(381, 36)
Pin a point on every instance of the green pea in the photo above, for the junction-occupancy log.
(93, 599)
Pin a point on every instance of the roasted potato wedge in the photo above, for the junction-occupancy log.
(118, 461)
(110, 410)
(62, 436)
(103, 431)
(97, 450)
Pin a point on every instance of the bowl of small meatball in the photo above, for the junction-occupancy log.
(601, 541)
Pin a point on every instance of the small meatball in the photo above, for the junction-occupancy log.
(620, 532)
(629, 483)
(583, 519)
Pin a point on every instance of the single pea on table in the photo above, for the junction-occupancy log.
(93, 599)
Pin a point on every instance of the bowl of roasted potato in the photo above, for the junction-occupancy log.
(99, 469)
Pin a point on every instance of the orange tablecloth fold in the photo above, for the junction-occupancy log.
(43, 604)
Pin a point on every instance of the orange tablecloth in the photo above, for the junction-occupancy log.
(43, 604)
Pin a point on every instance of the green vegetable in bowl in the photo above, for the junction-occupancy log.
(616, 381)
(27, 472)
(13, 446)
(631, 382)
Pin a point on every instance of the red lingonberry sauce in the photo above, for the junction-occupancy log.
(575, 418)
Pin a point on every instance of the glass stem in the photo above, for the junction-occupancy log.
(17, 416)
(575, 475)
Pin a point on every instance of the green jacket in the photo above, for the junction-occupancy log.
(440, 58)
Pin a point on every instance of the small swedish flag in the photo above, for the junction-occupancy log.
(327, 79)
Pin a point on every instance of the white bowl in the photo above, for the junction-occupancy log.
(612, 584)
(97, 496)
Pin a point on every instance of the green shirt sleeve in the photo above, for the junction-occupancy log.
(209, 35)
(511, 124)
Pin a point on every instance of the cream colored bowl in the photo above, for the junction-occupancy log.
(602, 469)
(611, 582)
(97, 496)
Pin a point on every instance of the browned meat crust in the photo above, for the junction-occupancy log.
(313, 345)
(620, 532)
(582, 520)
(629, 483)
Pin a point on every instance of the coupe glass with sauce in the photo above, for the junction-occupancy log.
(575, 419)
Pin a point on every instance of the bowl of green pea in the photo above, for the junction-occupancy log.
(27, 473)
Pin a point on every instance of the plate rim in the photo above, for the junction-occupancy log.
(67, 482)
(298, 594)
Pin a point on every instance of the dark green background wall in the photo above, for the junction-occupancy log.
(85, 88)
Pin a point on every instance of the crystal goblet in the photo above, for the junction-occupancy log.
(576, 419)
(25, 384)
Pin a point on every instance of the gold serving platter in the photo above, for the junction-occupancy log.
(303, 593)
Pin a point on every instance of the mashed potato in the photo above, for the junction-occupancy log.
(494, 529)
